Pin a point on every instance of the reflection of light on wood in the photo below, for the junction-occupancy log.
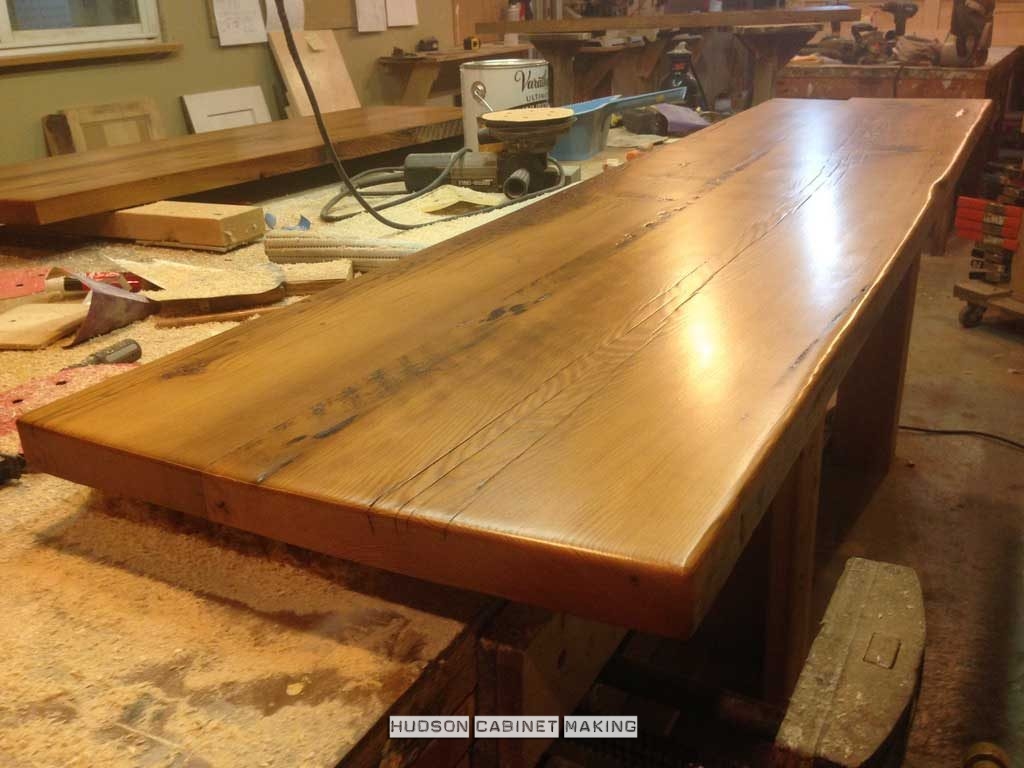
(820, 227)
(702, 344)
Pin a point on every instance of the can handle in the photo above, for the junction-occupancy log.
(479, 91)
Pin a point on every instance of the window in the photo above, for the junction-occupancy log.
(47, 25)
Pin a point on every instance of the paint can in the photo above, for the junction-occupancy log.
(494, 84)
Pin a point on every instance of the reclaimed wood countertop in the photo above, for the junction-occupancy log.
(586, 404)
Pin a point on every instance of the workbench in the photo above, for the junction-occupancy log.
(429, 74)
(883, 81)
(578, 66)
(220, 646)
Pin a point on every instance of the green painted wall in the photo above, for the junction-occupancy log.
(201, 66)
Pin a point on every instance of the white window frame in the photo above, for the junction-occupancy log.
(19, 42)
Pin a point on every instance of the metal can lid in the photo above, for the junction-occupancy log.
(503, 64)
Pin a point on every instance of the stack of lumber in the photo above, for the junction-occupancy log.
(66, 187)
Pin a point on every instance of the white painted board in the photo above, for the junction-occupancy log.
(233, 108)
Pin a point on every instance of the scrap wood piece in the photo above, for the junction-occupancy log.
(34, 326)
(203, 226)
(303, 279)
(863, 671)
(313, 247)
(188, 289)
(325, 66)
(216, 317)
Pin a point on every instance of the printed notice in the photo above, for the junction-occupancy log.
(239, 22)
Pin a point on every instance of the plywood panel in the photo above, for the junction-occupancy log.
(587, 404)
(66, 187)
(325, 67)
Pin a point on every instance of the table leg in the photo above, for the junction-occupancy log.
(592, 71)
(633, 72)
(561, 57)
(419, 83)
(868, 408)
(792, 520)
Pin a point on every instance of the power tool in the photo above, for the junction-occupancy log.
(519, 165)
(901, 11)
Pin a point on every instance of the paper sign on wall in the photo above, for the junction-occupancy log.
(371, 15)
(402, 13)
(296, 10)
(239, 22)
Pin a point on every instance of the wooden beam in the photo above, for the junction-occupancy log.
(204, 226)
(868, 408)
(793, 520)
(696, 20)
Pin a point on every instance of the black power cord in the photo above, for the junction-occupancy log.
(964, 432)
(351, 188)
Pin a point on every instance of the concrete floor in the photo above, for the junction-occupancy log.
(953, 509)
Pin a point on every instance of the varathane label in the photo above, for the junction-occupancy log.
(514, 727)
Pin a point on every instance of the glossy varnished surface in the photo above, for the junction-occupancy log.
(587, 404)
(59, 188)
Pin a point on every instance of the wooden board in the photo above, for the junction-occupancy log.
(325, 67)
(232, 108)
(60, 188)
(33, 326)
(695, 20)
(587, 405)
(114, 125)
(188, 225)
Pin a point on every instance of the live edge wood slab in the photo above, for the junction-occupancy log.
(694, 20)
(69, 186)
(588, 404)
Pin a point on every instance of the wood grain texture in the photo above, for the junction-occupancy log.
(325, 66)
(587, 404)
(695, 20)
(60, 188)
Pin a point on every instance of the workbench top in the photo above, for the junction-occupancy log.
(585, 405)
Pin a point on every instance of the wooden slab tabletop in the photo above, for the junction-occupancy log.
(586, 404)
(694, 20)
(68, 186)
